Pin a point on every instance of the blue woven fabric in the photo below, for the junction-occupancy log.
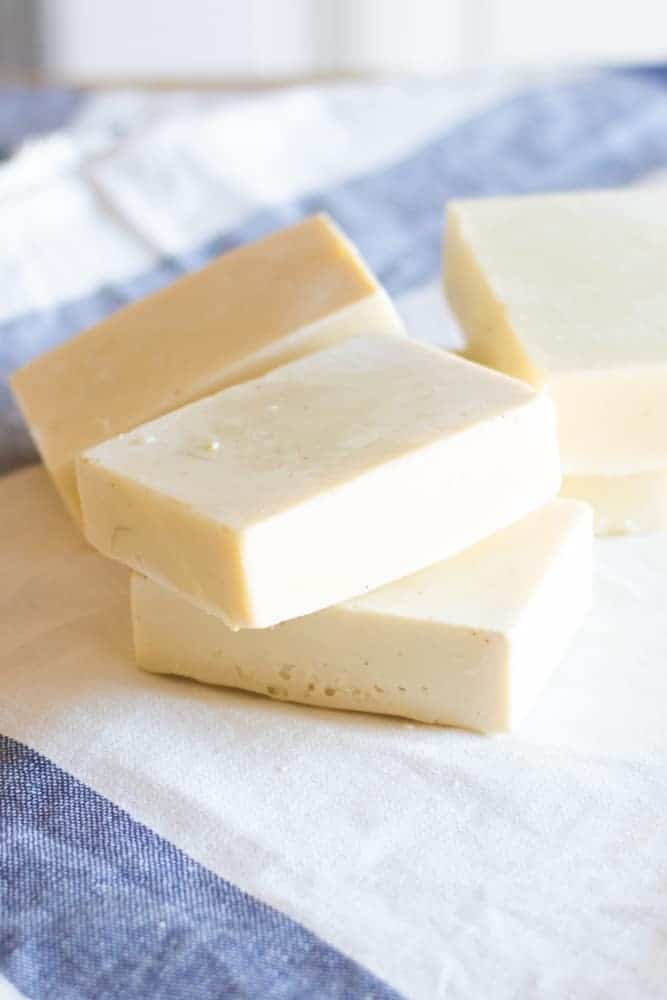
(95, 906)
(26, 112)
(604, 130)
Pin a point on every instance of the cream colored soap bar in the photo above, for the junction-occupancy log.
(325, 478)
(623, 504)
(251, 309)
(571, 290)
(468, 642)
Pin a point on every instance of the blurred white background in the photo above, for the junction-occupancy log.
(84, 40)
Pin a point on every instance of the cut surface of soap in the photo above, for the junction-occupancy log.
(321, 480)
(569, 290)
(468, 642)
(246, 312)
(623, 505)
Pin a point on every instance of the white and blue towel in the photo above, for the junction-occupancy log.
(161, 840)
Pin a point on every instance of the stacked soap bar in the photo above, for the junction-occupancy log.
(370, 525)
(312, 499)
(468, 642)
(259, 306)
(321, 480)
(569, 291)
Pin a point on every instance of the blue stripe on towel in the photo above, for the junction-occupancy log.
(93, 905)
(605, 130)
(26, 112)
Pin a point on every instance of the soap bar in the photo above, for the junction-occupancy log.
(623, 504)
(570, 290)
(468, 642)
(323, 479)
(246, 312)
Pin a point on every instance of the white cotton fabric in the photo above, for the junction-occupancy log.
(452, 865)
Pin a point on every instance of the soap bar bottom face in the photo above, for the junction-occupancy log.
(622, 504)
